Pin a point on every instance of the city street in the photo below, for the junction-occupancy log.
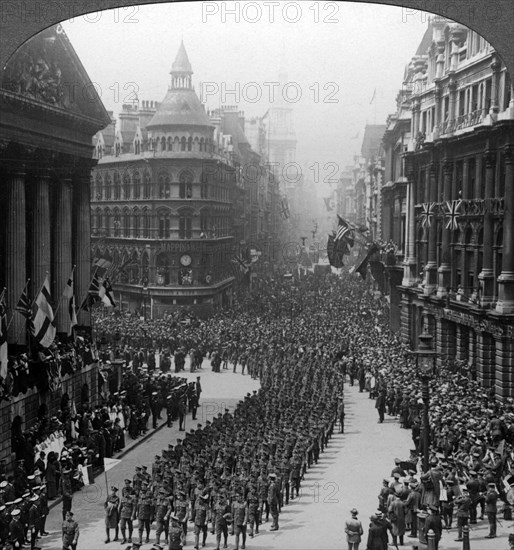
(219, 391)
(349, 474)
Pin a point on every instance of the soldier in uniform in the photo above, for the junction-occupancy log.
(273, 500)
(220, 515)
(175, 534)
(127, 513)
(253, 511)
(182, 513)
(112, 505)
(163, 507)
(200, 511)
(16, 529)
(240, 519)
(70, 532)
(169, 410)
(145, 514)
(65, 489)
(433, 522)
(463, 503)
(285, 474)
(34, 518)
(491, 509)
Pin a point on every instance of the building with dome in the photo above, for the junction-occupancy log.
(172, 200)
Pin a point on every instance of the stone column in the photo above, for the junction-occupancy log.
(486, 277)
(40, 257)
(485, 352)
(495, 88)
(504, 356)
(472, 356)
(16, 270)
(406, 320)
(444, 270)
(81, 240)
(62, 261)
(505, 302)
(466, 191)
(410, 275)
(431, 267)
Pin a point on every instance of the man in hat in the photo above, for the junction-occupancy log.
(34, 520)
(112, 506)
(163, 507)
(65, 488)
(240, 519)
(200, 515)
(16, 529)
(175, 533)
(220, 515)
(353, 530)
(70, 532)
(181, 510)
(463, 503)
(273, 500)
(491, 498)
(127, 512)
(145, 513)
(433, 523)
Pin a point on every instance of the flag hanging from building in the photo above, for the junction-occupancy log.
(44, 325)
(103, 263)
(24, 307)
(362, 268)
(329, 203)
(4, 358)
(452, 214)
(92, 294)
(285, 209)
(427, 213)
(106, 293)
(344, 232)
(241, 263)
(335, 257)
(70, 296)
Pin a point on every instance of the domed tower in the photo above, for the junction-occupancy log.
(181, 123)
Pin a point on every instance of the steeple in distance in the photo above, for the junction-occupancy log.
(181, 70)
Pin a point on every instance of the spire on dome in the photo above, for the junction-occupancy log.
(181, 70)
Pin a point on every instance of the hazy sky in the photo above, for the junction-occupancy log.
(340, 52)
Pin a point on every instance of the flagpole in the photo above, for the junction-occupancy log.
(12, 316)
(61, 296)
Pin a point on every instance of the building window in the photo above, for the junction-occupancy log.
(183, 144)
(108, 187)
(136, 226)
(185, 226)
(126, 186)
(164, 187)
(117, 186)
(164, 226)
(186, 185)
(137, 185)
(147, 186)
(146, 224)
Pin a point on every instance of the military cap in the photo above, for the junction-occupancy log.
(15, 512)
(18, 501)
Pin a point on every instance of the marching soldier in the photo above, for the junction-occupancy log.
(182, 513)
(34, 518)
(163, 508)
(127, 513)
(145, 514)
(111, 506)
(273, 500)
(491, 509)
(70, 532)
(16, 529)
(175, 534)
(220, 519)
(201, 510)
(240, 519)
(253, 511)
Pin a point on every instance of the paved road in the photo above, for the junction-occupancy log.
(219, 391)
(349, 474)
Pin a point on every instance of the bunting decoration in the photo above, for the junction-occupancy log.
(427, 213)
(452, 214)
(44, 325)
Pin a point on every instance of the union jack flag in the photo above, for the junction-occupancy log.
(427, 213)
(452, 213)
(243, 265)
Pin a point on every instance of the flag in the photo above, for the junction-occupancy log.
(106, 293)
(241, 263)
(363, 265)
(109, 463)
(335, 258)
(344, 232)
(427, 213)
(92, 294)
(285, 209)
(103, 262)
(43, 323)
(4, 358)
(69, 295)
(24, 307)
(373, 96)
(452, 213)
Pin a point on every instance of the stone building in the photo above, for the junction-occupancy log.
(459, 264)
(175, 199)
(49, 112)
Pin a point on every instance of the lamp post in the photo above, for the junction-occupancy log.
(425, 365)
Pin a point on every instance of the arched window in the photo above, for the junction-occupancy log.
(126, 186)
(202, 145)
(108, 186)
(186, 185)
(170, 144)
(117, 186)
(190, 144)
(147, 186)
(163, 144)
(136, 219)
(185, 225)
(164, 224)
(126, 223)
(164, 187)
(183, 144)
(146, 223)
(98, 187)
(137, 185)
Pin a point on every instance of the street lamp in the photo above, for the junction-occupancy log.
(425, 366)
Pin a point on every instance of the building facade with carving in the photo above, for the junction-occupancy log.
(46, 128)
(458, 276)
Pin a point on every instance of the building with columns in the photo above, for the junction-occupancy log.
(46, 128)
(179, 193)
(458, 275)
